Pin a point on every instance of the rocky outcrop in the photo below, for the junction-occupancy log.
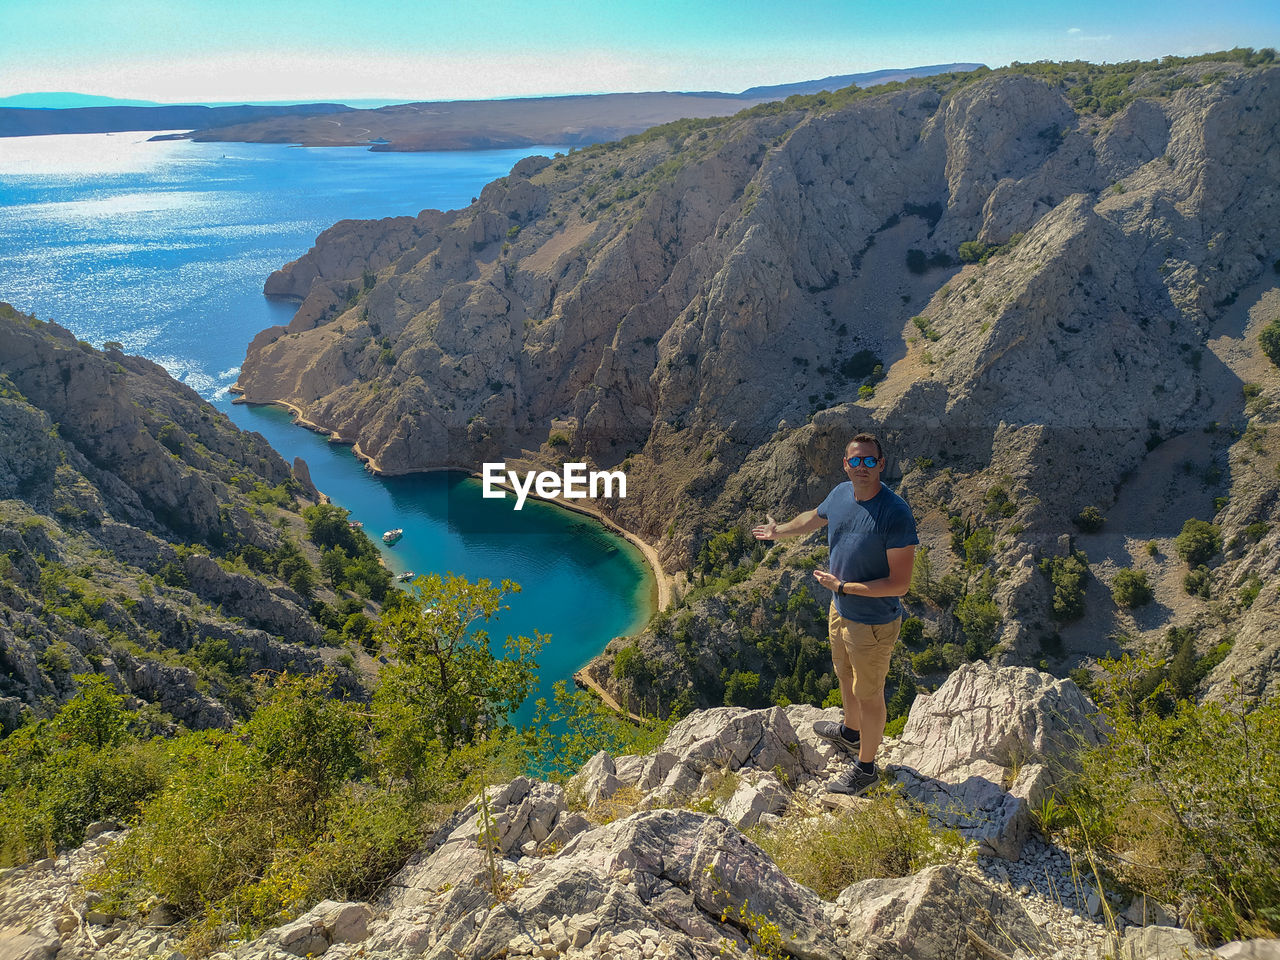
(988, 745)
(124, 500)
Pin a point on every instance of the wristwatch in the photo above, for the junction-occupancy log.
(841, 589)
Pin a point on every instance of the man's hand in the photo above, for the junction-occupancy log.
(766, 531)
(806, 522)
(827, 579)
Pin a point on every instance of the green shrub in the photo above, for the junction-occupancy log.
(895, 727)
(1198, 542)
(973, 251)
(1198, 582)
(1186, 807)
(1068, 576)
(1131, 589)
(1269, 340)
(223, 838)
(881, 840)
(937, 657)
(978, 546)
(60, 775)
(1089, 520)
(979, 618)
(745, 690)
(912, 631)
(1249, 592)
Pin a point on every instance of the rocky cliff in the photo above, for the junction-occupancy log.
(1042, 286)
(125, 503)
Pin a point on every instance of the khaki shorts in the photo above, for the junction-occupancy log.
(864, 649)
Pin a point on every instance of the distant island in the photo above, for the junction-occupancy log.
(441, 125)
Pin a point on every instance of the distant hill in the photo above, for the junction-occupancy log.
(29, 122)
(438, 125)
(874, 78)
(64, 101)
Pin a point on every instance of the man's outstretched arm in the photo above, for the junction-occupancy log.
(806, 522)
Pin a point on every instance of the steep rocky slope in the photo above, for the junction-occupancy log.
(125, 501)
(715, 306)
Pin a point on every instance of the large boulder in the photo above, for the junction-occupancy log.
(987, 744)
(671, 877)
(521, 812)
(709, 743)
(940, 912)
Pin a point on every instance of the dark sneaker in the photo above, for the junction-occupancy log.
(854, 781)
(833, 730)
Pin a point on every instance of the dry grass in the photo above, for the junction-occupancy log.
(827, 852)
(621, 804)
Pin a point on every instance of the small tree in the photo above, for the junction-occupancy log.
(1131, 589)
(1198, 542)
(95, 716)
(1269, 339)
(1067, 574)
(446, 687)
(921, 574)
(327, 526)
(1090, 520)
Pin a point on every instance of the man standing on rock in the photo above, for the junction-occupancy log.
(872, 538)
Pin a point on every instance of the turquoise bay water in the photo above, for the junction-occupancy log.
(164, 247)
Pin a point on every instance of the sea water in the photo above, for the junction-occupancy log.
(164, 247)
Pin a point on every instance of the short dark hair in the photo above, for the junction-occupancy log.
(865, 438)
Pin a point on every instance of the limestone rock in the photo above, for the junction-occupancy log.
(596, 781)
(726, 738)
(1162, 943)
(934, 914)
(961, 747)
(763, 794)
(1249, 950)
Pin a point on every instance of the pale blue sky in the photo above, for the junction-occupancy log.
(222, 50)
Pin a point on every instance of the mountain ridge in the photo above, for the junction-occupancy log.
(139, 539)
(427, 125)
(642, 292)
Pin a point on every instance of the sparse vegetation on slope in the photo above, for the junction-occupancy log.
(1183, 803)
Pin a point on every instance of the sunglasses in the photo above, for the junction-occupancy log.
(869, 462)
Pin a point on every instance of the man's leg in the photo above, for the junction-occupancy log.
(871, 656)
(844, 670)
(874, 715)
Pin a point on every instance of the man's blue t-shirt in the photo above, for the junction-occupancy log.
(859, 533)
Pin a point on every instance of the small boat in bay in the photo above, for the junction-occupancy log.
(391, 536)
(406, 576)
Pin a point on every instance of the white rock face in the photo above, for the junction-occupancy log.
(755, 797)
(987, 744)
(596, 781)
(933, 914)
